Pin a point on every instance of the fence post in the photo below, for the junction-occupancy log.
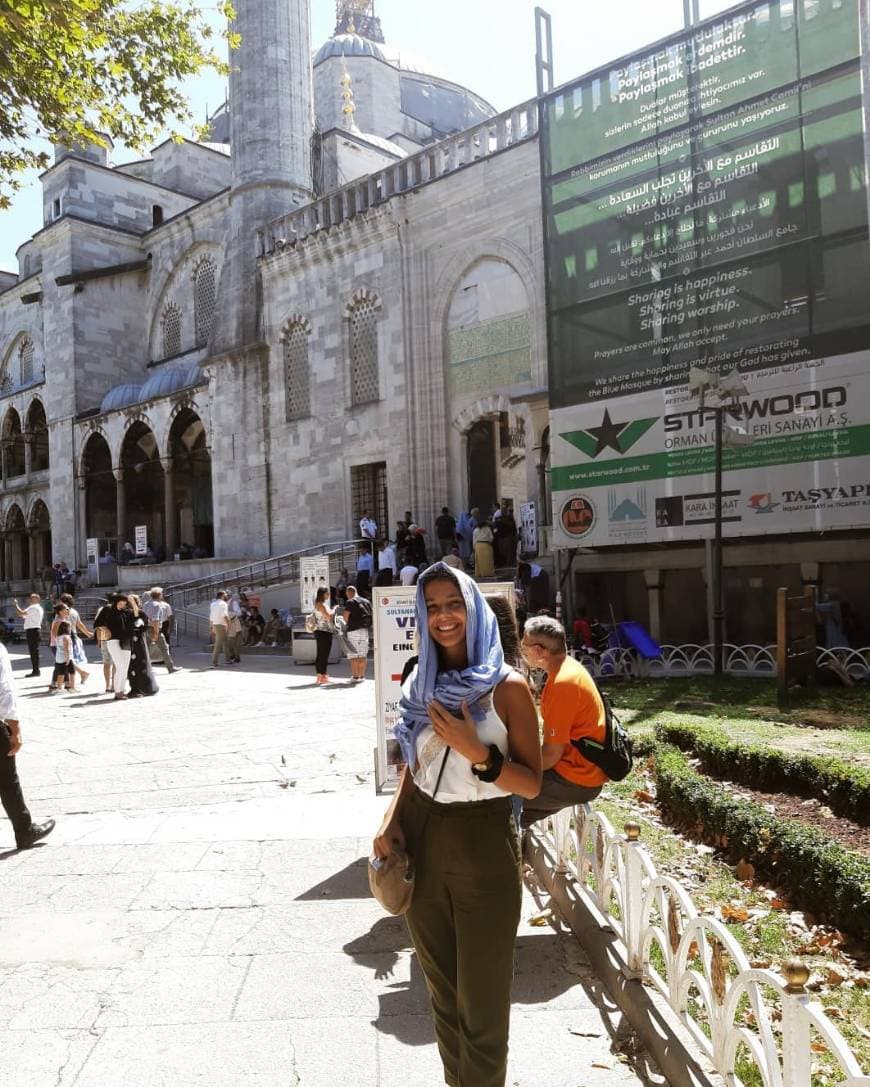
(633, 900)
(561, 837)
(796, 1052)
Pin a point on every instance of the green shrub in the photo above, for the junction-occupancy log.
(845, 789)
(815, 871)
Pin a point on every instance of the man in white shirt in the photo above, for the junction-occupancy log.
(368, 528)
(157, 612)
(218, 618)
(408, 574)
(33, 616)
(387, 561)
(27, 833)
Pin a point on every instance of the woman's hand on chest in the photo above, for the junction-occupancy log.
(460, 733)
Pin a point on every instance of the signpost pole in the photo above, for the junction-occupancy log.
(718, 599)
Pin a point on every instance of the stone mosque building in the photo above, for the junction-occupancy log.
(334, 304)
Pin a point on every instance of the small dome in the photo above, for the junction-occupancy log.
(122, 396)
(349, 45)
(167, 381)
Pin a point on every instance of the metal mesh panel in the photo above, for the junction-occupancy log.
(296, 375)
(25, 361)
(204, 301)
(171, 327)
(364, 351)
(368, 489)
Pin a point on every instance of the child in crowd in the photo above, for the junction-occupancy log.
(63, 663)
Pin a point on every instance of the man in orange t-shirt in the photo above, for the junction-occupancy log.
(571, 708)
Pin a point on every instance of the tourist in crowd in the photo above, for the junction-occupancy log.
(388, 571)
(63, 662)
(341, 586)
(445, 531)
(218, 620)
(255, 626)
(532, 583)
(469, 735)
(409, 573)
(401, 540)
(365, 568)
(454, 560)
(236, 630)
(60, 616)
(324, 616)
(358, 616)
(140, 672)
(77, 630)
(158, 613)
(120, 619)
(572, 709)
(465, 535)
(272, 629)
(101, 629)
(27, 833)
(484, 565)
(368, 530)
(415, 546)
(505, 531)
(33, 616)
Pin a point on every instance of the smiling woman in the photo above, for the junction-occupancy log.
(469, 734)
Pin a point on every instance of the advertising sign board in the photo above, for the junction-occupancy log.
(528, 529)
(706, 205)
(141, 538)
(395, 628)
(313, 573)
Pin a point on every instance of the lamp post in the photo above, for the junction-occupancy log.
(726, 391)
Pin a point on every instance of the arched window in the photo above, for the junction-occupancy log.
(25, 360)
(204, 284)
(363, 314)
(297, 382)
(170, 326)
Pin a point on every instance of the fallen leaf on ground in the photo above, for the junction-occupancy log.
(538, 920)
(778, 904)
(817, 1047)
(835, 977)
(600, 1064)
(745, 870)
(734, 913)
(644, 797)
(834, 1013)
(584, 1033)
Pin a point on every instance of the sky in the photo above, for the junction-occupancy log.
(486, 45)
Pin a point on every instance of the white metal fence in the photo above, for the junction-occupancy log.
(691, 660)
(737, 1015)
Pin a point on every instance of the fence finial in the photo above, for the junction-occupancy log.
(632, 831)
(797, 974)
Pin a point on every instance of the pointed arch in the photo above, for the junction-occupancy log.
(36, 432)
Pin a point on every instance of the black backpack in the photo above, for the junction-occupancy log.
(613, 755)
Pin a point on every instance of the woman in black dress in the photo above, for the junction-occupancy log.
(140, 673)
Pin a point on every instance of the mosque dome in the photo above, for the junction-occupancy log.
(349, 45)
(161, 383)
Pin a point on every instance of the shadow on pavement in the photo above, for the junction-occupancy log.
(350, 882)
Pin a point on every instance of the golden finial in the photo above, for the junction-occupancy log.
(349, 106)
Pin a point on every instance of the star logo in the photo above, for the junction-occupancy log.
(620, 437)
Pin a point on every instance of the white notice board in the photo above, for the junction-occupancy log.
(313, 573)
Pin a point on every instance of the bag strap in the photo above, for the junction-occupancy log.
(437, 786)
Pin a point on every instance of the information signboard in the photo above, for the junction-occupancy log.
(313, 575)
(706, 204)
(141, 538)
(528, 530)
(395, 629)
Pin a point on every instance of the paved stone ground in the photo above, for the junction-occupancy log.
(201, 913)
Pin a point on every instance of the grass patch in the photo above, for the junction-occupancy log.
(844, 788)
(807, 864)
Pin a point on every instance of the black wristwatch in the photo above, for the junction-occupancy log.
(491, 769)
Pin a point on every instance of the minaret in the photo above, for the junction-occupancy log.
(271, 124)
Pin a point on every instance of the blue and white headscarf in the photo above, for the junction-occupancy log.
(486, 663)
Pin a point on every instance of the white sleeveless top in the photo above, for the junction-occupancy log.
(458, 783)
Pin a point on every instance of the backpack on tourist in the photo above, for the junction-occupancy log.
(614, 755)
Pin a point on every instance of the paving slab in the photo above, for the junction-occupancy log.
(201, 914)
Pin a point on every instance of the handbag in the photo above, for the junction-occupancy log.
(103, 634)
(391, 881)
(234, 627)
(311, 623)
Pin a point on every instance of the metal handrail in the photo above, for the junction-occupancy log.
(275, 570)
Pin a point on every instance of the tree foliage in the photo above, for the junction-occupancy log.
(73, 69)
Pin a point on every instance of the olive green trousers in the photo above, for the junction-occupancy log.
(463, 922)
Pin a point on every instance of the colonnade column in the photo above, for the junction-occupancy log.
(31, 552)
(170, 540)
(28, 453)
(83, 522)
(655, 583)
(7, 552)
(120, 507)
